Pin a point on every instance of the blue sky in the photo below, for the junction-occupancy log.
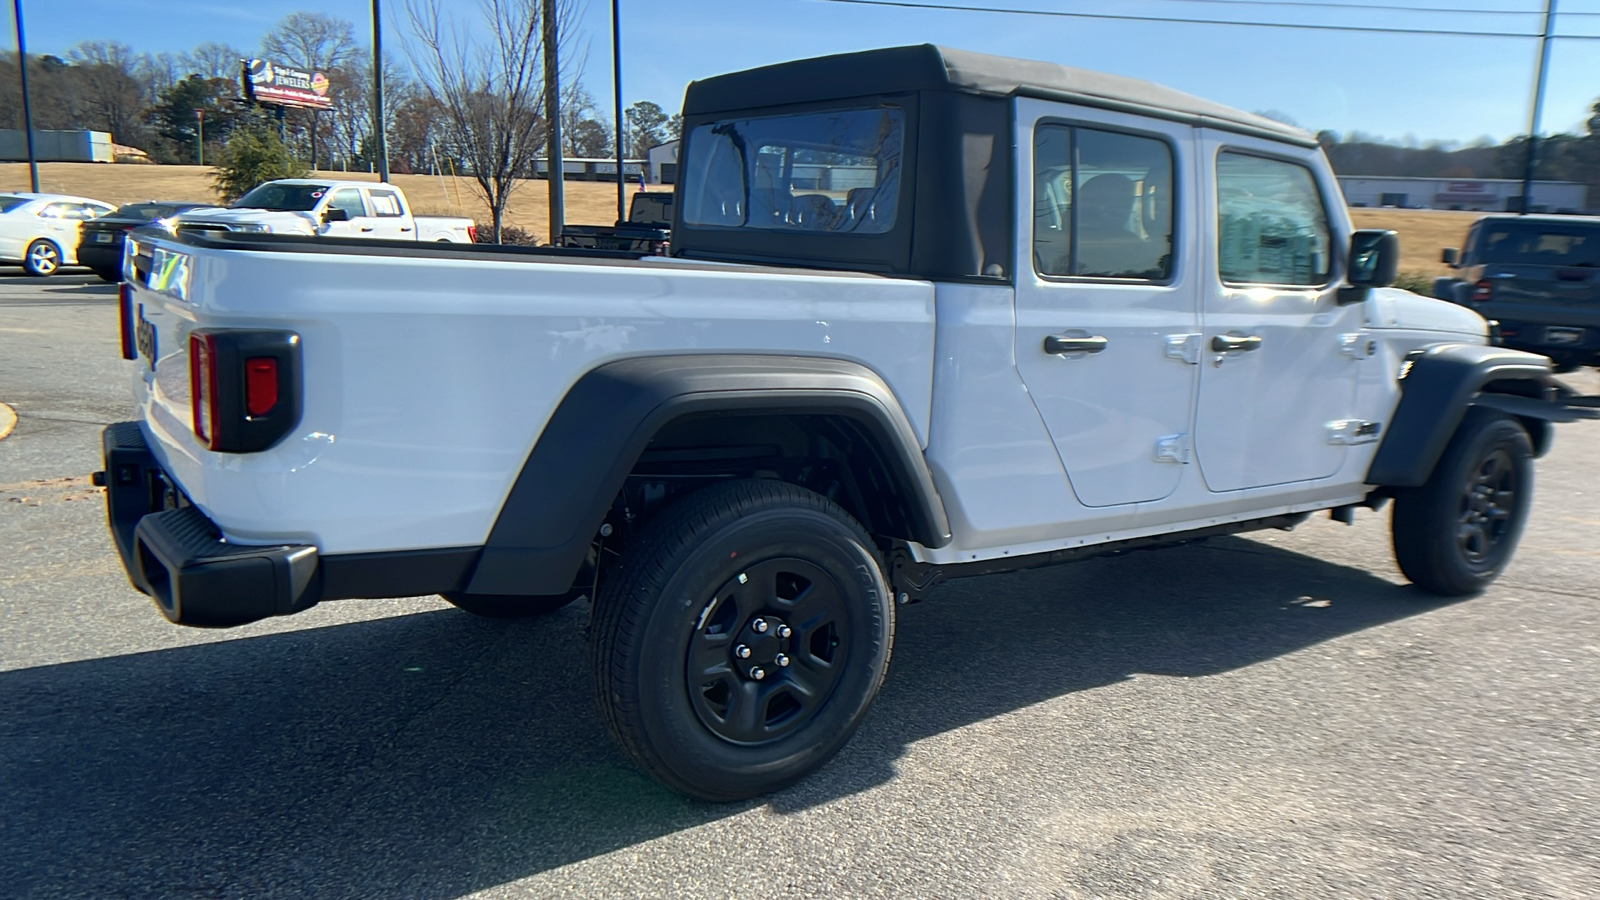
(1425, 87)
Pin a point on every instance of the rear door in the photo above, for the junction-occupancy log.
(390, 218)
(1106, 295)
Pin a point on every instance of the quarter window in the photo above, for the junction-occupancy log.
(385, 203)
(1102, 204)
(1271, 225)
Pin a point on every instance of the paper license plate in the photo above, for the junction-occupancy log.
(104, 237)
(1563, 335)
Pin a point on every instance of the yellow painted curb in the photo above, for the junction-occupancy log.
(8, 420)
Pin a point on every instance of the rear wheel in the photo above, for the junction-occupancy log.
(42, 259)
(741, 640)
(1454, 535)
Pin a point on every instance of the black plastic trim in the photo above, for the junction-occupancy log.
(237, 431)
(596, 436)
(404, 573)
(1438, 385)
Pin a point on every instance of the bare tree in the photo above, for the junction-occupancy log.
(490, 90)
(214, 60)
(316, 42)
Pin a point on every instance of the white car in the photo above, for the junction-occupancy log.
(40, 231)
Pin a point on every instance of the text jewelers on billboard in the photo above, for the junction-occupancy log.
(268, 83)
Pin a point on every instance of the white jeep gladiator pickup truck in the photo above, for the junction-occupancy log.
(315, 206)
(927, 314)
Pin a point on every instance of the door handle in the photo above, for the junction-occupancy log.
(1224, 343)
(403, 230)
(366, 229)
(1074, 342)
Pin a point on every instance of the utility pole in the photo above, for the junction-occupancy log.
(552, 112)
(27, 108)
(616, 87)
(377, 92)
(1538, 107)
(200, 137)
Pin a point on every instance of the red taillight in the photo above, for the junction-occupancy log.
(472, 233)
(203, 387)
(1482, 291)
(130, 338)
(260, 385)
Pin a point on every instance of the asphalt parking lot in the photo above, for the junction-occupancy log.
(1276, 715)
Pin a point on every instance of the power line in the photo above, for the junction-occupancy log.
(1389, 7)
(1367, 29)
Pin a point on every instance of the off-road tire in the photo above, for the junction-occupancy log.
(691, 589)
(1454, 535)
(42, 258)
(504, 606)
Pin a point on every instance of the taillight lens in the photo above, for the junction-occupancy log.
(130, 337)
(472, 233)
(203, 387)
(260, 385)
(1482, 291)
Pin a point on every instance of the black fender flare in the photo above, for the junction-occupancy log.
(1440, 383)
(598, 431)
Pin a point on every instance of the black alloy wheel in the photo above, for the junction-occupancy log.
(741, 639)
(1454, 535)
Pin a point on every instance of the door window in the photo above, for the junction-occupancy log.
(349, 200)
(1271, 224)
(1102, 204)
(385, 204)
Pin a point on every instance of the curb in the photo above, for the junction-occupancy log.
(8, 420)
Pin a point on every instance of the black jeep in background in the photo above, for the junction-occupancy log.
(1539, 277)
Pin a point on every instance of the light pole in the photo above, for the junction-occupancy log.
(200, 137)
(377, 91)
(1538, 106)
(27, 108)
(616, 87)
(552, 111)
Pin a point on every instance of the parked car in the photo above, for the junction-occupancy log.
(40, 231)
(1538, 277)
(100, 239)
(928, 314)
(648, 228)
(313, 206)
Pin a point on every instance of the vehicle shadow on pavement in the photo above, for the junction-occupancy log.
(434, 754)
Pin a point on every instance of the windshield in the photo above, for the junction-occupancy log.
(1535, 244)
(831, 171)
(148, 211)
(286, 197)
(8, 202)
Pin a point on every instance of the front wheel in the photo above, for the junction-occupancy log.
(1454, 535)
(42, 258)
(741, 640)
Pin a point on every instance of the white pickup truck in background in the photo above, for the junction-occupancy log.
(314, 206)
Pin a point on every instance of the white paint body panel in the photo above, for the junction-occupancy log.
(428, 381)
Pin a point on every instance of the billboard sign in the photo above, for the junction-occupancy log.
(268, 83)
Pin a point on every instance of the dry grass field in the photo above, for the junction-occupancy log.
(588, 202)
(1422, 232)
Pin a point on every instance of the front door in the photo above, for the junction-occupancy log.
(1106, 295)
(1279, 372)
(349, 200)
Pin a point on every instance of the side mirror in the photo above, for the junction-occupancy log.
(1448, 256)
(334, 214)
(1374, 262)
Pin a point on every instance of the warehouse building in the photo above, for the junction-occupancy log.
(1479, 194)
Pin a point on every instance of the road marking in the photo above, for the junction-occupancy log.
(8, 420)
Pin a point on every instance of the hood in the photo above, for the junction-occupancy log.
(1395, 308)
(278, 219)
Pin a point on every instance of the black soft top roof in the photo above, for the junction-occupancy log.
(926, 67)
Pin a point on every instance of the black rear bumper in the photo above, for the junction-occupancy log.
(177, 555)
(172, 552)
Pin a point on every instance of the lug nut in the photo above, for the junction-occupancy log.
(781, 660)
(757, 672)
(760, 626)
(784, 631)
(742, 651)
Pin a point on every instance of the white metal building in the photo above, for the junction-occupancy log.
(1480, 194)
(663, 163)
